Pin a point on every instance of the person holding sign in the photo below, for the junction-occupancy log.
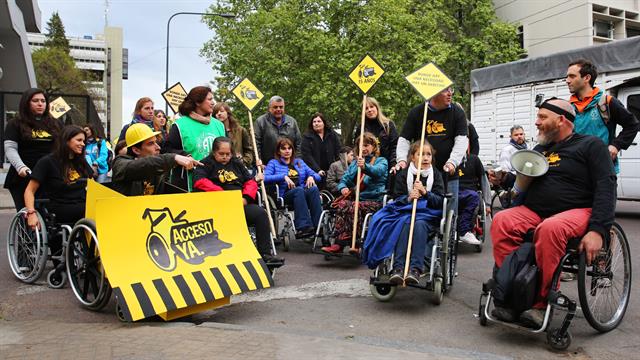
(222, 171)
(429, 190)
(143, 169)
(194, 132)
(297, 184)
(446, 131)
(241, 140)
(383, 128)
(374, 179)
(142, 114)
(273, 125)
(27, 138)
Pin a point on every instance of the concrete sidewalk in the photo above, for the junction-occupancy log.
(54, 340)
(6, 202)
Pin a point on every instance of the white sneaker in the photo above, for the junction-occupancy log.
(470, 239)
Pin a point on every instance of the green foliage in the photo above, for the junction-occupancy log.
(303, 50)
(56, 36)
(57, 73)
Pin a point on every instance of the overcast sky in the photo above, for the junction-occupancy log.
(144, 24)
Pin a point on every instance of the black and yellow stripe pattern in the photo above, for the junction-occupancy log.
(142, 300)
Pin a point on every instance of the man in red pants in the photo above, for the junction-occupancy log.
(575, 198)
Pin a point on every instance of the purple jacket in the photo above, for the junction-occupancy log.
(276, 170)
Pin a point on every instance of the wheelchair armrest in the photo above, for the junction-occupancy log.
(448, 195)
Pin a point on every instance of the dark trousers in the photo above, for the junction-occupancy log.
(306, 206)
(17, 194)
(418, 246)
(257, 217)
(67, 214)
(468, 203)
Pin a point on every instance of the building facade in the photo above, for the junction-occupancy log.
(104, 56)
(550, 26)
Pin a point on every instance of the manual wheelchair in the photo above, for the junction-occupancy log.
(28, 250)
(440, 263)
(603, 290)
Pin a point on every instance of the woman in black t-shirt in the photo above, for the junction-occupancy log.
(28, 137)
(61, 174)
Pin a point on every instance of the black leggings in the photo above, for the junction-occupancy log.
(65, 214)
(257, 217)
(17, 193)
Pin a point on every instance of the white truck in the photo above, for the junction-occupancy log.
(505, 95)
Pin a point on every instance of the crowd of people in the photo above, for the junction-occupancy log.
(206, 149)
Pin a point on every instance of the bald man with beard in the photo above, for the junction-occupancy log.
(574, 199)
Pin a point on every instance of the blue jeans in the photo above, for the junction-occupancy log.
(469, 201)
(306, 206)
(418, 246)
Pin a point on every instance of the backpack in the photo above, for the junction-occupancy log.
(603, 107)
(109, 152)
(516, 282)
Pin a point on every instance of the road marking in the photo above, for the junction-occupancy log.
(347, 288)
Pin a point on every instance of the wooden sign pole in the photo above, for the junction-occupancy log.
(264, 190)
(415, 201)
(358, 176)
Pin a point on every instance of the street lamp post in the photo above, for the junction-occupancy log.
(166, 76)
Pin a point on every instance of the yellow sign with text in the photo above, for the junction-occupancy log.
(174, 96)
(164, 254)
(248, 94)
(58, 107)
(366, 73)
(429, 81)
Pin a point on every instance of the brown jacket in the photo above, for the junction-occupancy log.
(242, 145)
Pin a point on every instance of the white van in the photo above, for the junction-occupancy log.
(505, 95)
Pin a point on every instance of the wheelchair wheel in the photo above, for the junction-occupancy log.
(447, 258)
(286, 241)
(605, 286)
(383, 293)
(84, 267)
(438, 291)
(557, 341)
(56, 280)
(27, 249)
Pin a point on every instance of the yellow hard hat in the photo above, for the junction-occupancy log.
(139, 132)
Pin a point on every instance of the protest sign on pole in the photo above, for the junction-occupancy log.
(174, 96)
(365, 74)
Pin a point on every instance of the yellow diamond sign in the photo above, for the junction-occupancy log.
(366, 73)
(174, 96)
(248, 93)
(428, 81)
(58, 107)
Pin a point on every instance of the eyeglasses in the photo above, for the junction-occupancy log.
(449, 90)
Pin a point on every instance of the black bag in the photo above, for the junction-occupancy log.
(516, 282)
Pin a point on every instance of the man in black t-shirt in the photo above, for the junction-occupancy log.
(575, 198)
(446, 131)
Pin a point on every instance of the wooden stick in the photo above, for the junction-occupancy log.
(358, 180)
(263, 187)
(415, 201)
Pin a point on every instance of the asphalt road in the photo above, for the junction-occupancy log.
(330, 300)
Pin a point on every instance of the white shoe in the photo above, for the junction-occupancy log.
(470, 239)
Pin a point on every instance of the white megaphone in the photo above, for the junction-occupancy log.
(528, 165)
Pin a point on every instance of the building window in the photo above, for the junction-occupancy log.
(520, 33)
(631, 32)
(603, 29)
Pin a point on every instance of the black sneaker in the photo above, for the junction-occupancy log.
(413, 277)
(270, 259)
(532, 318)
(503, 314)
(396, 277)
(306, 232)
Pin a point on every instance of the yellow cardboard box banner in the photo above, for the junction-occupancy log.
(164, 253)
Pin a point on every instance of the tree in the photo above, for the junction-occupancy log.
(302, 50)
(56, 36)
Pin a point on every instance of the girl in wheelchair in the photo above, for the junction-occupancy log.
(222, 170)
(372, 190)
(297, 185)
(428, 189)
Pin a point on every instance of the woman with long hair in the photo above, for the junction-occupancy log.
(96, 153)
(297, 184)
(240, 138)
(28, 137)
(383, 128)
(320, 145)
(373, 172)
(142, 113)
(160, 124)
(194, 132)
(61, 174)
